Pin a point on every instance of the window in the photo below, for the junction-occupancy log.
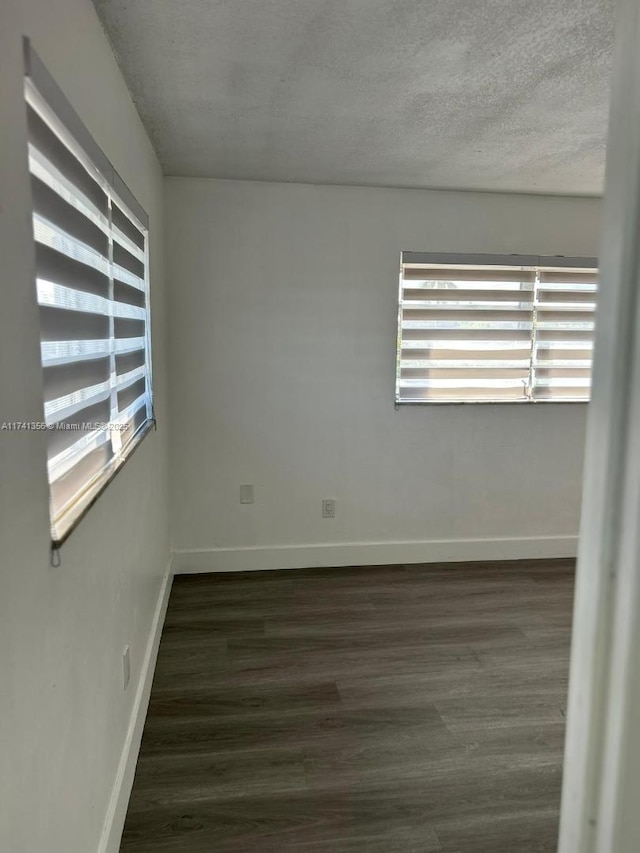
(91, 262)
(495, 329)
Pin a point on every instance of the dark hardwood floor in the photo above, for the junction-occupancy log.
(382, 709)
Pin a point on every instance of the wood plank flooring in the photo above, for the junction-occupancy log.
(395, 709)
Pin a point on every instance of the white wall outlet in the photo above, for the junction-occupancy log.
(246, 494)
(328, 508)
(126, 667)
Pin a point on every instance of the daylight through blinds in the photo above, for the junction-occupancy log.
(92, 292)
(495, 333)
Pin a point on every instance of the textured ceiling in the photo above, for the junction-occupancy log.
(471, 94)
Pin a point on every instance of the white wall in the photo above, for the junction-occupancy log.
(282, 358)
(63, 713)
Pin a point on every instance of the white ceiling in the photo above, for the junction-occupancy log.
(471, 94)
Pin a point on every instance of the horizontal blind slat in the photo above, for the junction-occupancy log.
(129, 413)
(465, 372)
(568, 277)
(51, 235)
(131, 393)
(60, 269)
(128, 244)
(126, 225)
(457, 314)
(125, 327)
(477, 274)
(439, 353)
(424, 335)
(124, 293)
(124, 259)
(44, 140)
(448, 395)
(551, 351)
(64, 407)
(63, 352)
(562, 293)
(68, 431)
(126, 277)
(123, 380)
(565, 336)
(65, 379)
(130, 361)
(474, 296)
(572, 372)
(57, 325)
(42, 169)
(580, 393)
(56, 296)
(70, 221)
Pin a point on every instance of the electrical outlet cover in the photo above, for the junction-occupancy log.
(126, 667)
(328, 508)
(246, 494)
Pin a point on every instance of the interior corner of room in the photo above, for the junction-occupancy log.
(332, 274)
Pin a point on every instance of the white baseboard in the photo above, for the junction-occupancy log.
(191, 561)
(117, 810)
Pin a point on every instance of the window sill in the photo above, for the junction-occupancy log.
(74, 515)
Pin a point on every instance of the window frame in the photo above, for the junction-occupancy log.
(42, 94)
(481, 260)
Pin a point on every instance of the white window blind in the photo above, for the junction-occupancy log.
(91, 260)
(495, 329)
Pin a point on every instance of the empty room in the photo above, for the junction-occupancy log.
(319, 418)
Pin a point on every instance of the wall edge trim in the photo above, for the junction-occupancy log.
(121, 791)
(196, 560)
